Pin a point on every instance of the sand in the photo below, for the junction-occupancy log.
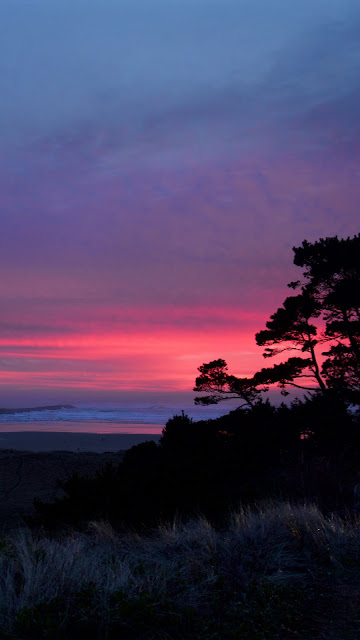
(67, 441)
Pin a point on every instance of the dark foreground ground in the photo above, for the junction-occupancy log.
(231, 585)
(25, 475)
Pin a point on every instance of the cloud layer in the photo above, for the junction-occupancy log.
(159, 160)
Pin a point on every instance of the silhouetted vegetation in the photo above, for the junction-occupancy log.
(326, 312)
(309, 450)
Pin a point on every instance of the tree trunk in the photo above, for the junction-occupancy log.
(318, 377)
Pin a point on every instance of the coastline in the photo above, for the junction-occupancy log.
(46, 441)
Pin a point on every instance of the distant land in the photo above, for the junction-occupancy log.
(52, 407)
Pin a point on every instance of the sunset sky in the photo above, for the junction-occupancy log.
(158, 161)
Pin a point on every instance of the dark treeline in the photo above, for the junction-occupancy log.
(308, 450)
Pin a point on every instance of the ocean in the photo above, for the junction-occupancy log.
(110, 419)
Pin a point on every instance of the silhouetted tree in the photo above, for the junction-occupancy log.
(222, 386)
(290, 329)
(325, 311)
(331, 277)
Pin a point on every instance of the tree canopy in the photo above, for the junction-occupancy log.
(324, 311)
(223, 386)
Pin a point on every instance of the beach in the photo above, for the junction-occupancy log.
(41, 441)
(96, 436)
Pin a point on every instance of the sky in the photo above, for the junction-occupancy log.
(158, 161)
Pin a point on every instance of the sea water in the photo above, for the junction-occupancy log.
(122, 418)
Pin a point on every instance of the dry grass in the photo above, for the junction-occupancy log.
(186, 564)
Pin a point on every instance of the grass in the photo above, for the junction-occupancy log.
(259, 578)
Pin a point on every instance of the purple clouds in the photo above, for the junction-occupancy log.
(158, 163)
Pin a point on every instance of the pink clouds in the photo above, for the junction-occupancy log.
(144, 239)
(156, 360)
(139, 292)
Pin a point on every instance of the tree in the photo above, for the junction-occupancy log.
(286, 373)
(331, 276)
(326, 310)
(222, 386)
(341, 371)
(290, 328)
